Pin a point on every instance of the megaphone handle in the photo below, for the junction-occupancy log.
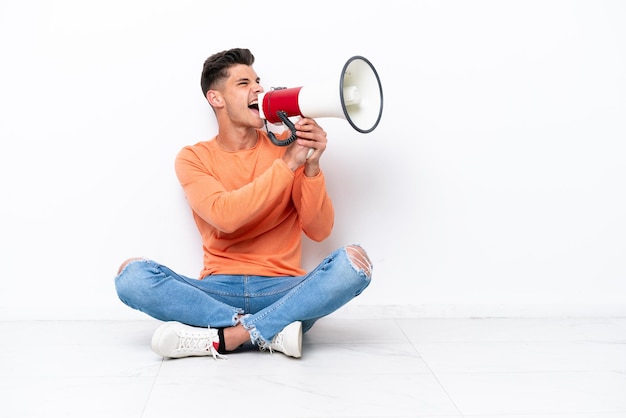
(283, 116)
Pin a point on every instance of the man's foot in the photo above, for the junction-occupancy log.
(176, 340)
(289, 340)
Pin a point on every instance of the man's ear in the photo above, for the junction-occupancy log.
(215, 98)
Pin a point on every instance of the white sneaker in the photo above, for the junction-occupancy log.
(289, 340)
(176, 340)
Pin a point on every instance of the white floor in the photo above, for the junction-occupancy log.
(514, 368)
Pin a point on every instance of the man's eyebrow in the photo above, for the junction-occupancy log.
(246, 79)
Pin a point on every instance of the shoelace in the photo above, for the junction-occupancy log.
(276, 341)
(199, 343)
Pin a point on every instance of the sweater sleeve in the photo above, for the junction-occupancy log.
(226, 210)
(314, 206)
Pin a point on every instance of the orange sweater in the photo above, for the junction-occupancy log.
(251, 209)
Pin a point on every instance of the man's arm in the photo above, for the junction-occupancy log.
(314, 206)
(230, 210)
(309, 191)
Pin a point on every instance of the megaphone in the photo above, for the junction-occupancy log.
(358, 98)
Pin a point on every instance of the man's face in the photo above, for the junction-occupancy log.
(240, 92)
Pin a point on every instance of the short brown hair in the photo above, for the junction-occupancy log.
(217, 65)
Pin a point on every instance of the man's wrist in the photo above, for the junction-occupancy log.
(311, 170)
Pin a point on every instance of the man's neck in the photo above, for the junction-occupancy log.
(237, 139)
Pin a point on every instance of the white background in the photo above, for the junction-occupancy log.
(493, 186)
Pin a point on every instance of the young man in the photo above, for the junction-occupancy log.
(251, 201)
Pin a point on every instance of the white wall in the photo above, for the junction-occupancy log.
(494, 184)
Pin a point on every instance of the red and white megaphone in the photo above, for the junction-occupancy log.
(358, 98)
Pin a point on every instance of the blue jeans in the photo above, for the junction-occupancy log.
(264, 305)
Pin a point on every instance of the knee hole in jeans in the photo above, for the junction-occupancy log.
(359, 259)
(127, 262)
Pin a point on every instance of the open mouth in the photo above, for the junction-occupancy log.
(254, 105)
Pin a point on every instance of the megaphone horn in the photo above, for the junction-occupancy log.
(359, 100)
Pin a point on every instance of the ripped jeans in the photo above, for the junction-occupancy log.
(264, 305)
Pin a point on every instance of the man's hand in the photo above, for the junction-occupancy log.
(310, 137)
